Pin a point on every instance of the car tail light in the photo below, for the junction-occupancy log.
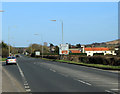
(7, 60)
(15, 59)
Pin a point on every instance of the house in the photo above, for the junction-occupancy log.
(74, 50)
(91, 50)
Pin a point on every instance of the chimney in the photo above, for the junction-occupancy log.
(83, 48)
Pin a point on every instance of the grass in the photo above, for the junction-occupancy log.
(93, 65)
(85, 64)
(3, 59)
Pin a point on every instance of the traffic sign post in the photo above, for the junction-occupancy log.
(63, 49)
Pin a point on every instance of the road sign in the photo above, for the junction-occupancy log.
(37, 53)
(64, 49)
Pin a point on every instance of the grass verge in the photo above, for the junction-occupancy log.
(3, 59)
(89, 65)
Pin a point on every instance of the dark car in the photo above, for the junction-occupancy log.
(17, 56)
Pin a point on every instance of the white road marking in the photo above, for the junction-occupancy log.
(52, 70)
(115, 89)
(107, 91)
(27, 88)
(26, 84)
(85, 82)
(114, 71)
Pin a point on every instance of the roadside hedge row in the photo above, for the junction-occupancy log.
(114, 61)
(98, 54)
(78, 54)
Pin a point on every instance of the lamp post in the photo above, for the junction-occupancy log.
(62, 35)
(9, 39)
(62, 29)
(1, 10)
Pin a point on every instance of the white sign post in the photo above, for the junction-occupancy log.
(63, 49)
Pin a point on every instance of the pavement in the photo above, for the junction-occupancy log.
(37, 75)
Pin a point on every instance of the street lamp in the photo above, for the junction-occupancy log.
(42, 42)
(9, 40)
(62, 29)
(1, 10)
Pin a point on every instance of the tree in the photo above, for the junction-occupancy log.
(78, 45)
(51, 47)
(70, 46)
(3, 49)
(36, 47)
(57, 49)
(4, 45)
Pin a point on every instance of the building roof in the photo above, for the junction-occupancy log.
(75, 51)
(97, 49)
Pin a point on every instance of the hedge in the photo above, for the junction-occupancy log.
(77, 54)
(98, 54)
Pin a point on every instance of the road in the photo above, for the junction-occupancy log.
(37, 75)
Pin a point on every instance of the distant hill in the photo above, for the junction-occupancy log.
(113, 43)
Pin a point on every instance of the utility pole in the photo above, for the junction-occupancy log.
(31, 48)
(62, 32)
(8, 41)
(42, 46)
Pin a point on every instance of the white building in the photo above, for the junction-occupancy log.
(91, 50)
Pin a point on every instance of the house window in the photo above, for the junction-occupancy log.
(105, 51)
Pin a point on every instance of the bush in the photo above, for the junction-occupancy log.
(114, 61)
(98, 54)
(50, 54)
(5, 52)
(52, 57)
(78, 54)
(33, 55)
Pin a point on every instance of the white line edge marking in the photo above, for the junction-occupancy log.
(107, 91)
(84, 82)
(111, 92)
(24, 80)
(115, 89)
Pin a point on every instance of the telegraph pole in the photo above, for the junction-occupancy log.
(62, 32)
(8, 41)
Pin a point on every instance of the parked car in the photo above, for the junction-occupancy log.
(17, 56)
(11, 60)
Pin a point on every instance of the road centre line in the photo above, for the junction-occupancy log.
(27, 88)
(85, 82)
(52, 70)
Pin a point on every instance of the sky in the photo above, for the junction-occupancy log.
(83, 22)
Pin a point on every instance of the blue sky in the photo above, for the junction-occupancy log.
(83, 22)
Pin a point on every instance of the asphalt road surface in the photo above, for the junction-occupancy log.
(37, 75)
